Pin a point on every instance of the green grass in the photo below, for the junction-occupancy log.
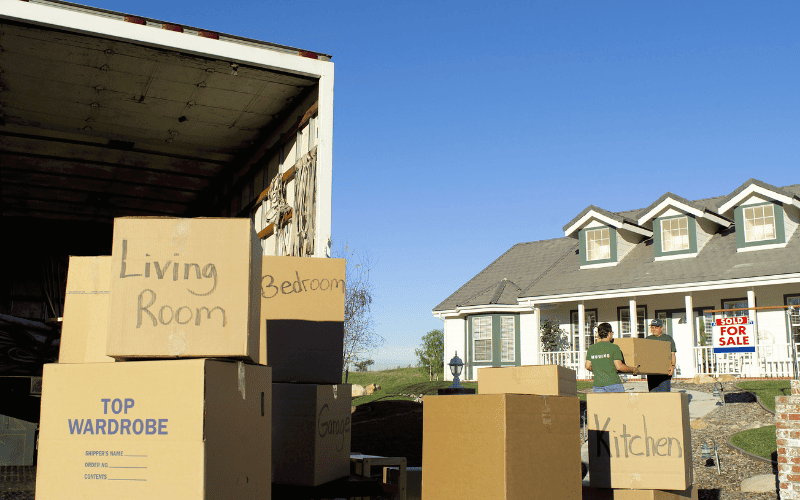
(409, 381)
(398, 381)
(766, 390)
(759, 441)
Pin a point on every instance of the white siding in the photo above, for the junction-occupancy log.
(704, 229)
(529, 339)
(753, 200)
(791, 219)
(626, 241)
(454, 329)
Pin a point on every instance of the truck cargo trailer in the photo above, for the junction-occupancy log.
(105, 115)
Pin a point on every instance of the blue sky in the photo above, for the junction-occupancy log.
(462, 128)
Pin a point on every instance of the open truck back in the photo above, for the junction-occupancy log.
(105, 115)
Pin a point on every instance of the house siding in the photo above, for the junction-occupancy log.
(454, 341)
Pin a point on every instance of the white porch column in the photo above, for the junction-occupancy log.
(537, 337)
(581, 340)
(751, 302)
(685, 342)
(634, 319)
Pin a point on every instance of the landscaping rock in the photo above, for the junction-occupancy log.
(358, 391)
(760, 483)
(698, 424)
(727, 378)
(703, 379)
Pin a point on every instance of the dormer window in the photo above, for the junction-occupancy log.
(759, 223)
(675, 234)
(598, 244)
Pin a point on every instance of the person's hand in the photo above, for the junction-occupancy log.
(671, 370)
(636, 371)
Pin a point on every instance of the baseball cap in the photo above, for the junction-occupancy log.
(657, 322)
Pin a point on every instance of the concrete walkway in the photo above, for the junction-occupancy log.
(700, 403)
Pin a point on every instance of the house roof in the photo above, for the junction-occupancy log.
(649, 213)
(787, 192)
(521, 265)
(552, 267)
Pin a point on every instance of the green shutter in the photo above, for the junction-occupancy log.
(657, 238)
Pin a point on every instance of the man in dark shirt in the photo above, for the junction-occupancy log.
(604, 360)
(661, 383)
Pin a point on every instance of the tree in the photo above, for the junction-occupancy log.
(363, 366)
(553, 337)
(360, 338)
(431, 353)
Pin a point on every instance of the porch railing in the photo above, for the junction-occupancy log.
(769, 361)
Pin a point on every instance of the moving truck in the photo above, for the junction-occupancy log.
(105, 114)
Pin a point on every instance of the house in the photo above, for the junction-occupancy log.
(675, 260)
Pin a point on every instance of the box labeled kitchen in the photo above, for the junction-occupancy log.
(155, 429)
(184, 288)
(639, 441)
(302, 318)
(310, 433)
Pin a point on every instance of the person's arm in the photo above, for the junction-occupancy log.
(588, 365)
(622, 367)
(672, 368)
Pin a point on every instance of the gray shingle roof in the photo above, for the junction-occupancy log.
(610, 215)
(693, 204)
(552, 267)
(521, 265)
(786, 191)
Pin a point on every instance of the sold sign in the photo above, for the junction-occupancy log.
(734, 335)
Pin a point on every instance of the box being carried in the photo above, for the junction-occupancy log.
(590, 493)
(501, 446)
(184, 288)
(654, 357)
(310, 433)
(639, 440)
(302, 318)
(550, 380)
(84, 329)
(191, 429)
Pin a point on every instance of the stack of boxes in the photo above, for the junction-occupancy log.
(519, 438)
(186, 411)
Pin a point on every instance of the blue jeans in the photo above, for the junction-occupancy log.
(610, 388)
(659, 383)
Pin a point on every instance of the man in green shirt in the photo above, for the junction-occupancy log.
(661, 383)
(604, 359)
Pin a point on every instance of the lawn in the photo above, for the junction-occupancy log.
(398, 381)
(766, 390)
(409, 381)
(759, 441)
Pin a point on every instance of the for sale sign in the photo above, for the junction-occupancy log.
(734, 335)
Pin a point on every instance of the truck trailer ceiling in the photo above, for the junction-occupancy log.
(93, 128)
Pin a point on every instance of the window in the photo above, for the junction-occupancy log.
(598, 244)
(734, 304)
(759, 223)
(675, 234)
(507, 338)
(624, 315)
(588, 328)
(482, 338)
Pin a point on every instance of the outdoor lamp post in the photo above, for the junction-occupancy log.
(719, 392)
(706, 453)
(456, 365)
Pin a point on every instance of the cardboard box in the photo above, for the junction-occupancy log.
(590, 493)
(501, 446)
(654, 356)
(550, 380)
(84, 329)
(639, 440)
(184, 288)
(302, 318)
(189, 429)
(310, 433)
